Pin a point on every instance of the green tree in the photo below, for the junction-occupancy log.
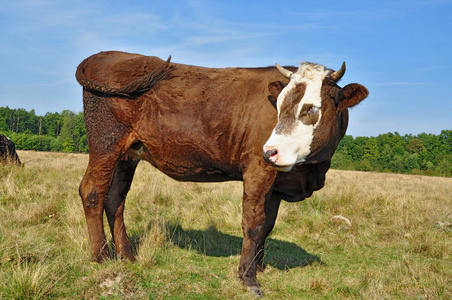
(66, 137)
(342, 162)
(52, 123)
(415, 146)
(356, 148)
(386, 158)
(445, 138)
(80, 140)
(432, 145)
(371, 149)
(444, 167)
(397, 164)
(411, 163)
(365, 165)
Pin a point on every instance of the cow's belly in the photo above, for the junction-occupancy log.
(187, 143)
(187, 163)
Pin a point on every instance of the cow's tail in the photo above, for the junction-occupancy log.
(138, 86)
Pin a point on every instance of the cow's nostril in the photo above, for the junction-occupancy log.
(270, 156)
(272, 152)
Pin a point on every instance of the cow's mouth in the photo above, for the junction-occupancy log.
(271, 157)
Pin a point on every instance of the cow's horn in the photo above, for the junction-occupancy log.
(286, 73)
(338, 74)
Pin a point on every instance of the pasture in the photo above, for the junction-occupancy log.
(187, 238)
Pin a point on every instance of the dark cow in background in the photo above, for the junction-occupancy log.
(8, 152)
(205, 124)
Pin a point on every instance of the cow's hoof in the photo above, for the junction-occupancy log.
(255, 290)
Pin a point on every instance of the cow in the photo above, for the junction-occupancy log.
(8, 152)
(208, 125)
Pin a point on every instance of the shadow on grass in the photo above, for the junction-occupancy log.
(279, 254)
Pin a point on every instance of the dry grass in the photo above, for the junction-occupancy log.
(188, 237)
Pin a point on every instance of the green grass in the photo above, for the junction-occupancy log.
(187, 238)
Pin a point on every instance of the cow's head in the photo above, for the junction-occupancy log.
(312, 115)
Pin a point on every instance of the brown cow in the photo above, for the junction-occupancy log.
(204, 124)
(8, 152)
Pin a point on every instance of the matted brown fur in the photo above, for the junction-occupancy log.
(194, 124)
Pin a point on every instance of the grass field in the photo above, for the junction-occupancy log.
(187, 238)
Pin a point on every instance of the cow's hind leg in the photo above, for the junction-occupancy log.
(93, 191)
(114, 205)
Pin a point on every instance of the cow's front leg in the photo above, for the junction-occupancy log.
(257, 185)
(272, 203)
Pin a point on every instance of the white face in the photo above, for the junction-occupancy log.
(299, 113)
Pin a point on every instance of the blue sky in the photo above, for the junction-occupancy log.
(400, 50)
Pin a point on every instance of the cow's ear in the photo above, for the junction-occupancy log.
(352, 94)
(275, 88)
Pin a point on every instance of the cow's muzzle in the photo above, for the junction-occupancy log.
(271, 156)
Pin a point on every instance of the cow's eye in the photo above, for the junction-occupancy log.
(313, 110)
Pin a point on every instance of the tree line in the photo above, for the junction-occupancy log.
(424, 153)
(59, 132)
